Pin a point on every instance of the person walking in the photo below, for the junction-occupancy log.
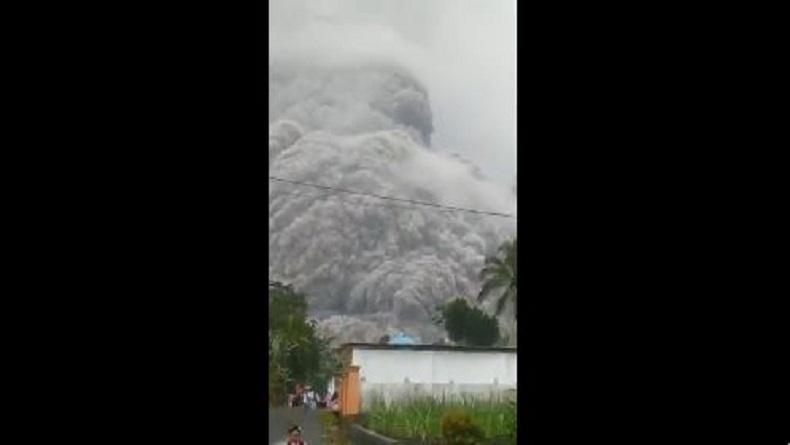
(297, 398)
(310, 399)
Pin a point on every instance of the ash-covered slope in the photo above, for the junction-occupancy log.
(372, 266)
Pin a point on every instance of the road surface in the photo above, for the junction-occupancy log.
(283, 417)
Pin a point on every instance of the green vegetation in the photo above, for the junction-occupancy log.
(499, 273)
(458, 428)
(468, 325)
(333, 431)
(297, 353)
(434, 421)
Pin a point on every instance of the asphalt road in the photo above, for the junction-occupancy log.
(281, 418)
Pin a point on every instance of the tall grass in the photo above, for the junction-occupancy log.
(419, 417)
(333, 433)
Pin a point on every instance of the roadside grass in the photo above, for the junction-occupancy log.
(333, 433)
(419, 418)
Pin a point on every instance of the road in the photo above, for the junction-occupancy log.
(281, 418)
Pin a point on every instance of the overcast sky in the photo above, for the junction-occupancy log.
(462, 50)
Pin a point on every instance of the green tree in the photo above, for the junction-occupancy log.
(468, 325)
(297, 352)
(499, 273)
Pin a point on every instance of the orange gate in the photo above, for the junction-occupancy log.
(349, 391)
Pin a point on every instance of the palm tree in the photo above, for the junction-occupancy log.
(500, 273)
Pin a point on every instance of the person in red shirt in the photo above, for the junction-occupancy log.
(295, 436)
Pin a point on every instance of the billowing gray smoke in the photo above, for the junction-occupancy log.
(371, 267)
(350, 100)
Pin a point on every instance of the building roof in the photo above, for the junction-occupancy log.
(402, 347)
(402, 339)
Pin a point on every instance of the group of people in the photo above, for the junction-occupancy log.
(305, 396)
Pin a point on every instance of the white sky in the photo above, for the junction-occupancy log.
(463, 51)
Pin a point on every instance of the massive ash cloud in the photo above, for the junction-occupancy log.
(350, 100)
(371, 267)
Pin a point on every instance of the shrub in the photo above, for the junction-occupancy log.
(468, 325)
(459, 429)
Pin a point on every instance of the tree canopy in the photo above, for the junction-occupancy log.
(469, 325)
(297, 353)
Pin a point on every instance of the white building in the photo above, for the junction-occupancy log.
(393, 371)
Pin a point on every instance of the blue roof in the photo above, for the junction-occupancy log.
(402, 339)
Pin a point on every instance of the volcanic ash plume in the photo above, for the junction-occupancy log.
(371, 266)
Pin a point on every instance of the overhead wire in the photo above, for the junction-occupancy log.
(345, 201)
(392, 198)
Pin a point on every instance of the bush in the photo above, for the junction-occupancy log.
(277, 391)
(469, 325)
(459, 429)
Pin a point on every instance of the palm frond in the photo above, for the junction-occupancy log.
(501, 303)
(488, 287)
(499, 272)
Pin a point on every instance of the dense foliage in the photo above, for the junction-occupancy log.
(468, 325)
(458, 428)
(499, 274)
(297, 353)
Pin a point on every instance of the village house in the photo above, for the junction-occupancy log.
(393, 371)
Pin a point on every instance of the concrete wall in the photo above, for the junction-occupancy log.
(394, 374)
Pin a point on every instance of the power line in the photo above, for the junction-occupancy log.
(345, 201)
(437, 207)
(390, 198)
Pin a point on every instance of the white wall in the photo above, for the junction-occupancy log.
(385, 371)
